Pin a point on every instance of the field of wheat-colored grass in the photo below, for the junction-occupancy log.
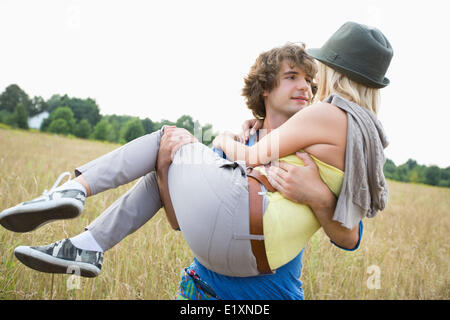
(404, 253)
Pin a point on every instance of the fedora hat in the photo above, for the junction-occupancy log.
(360, 52)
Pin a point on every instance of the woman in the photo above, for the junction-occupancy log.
(217, 227)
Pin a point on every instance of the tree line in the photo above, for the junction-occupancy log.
(412, 172)
(82, 118)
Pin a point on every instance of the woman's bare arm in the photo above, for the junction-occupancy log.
(321, 124)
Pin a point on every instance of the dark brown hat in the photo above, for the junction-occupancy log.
(360, 52)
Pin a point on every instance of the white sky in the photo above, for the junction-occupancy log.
(162, 59)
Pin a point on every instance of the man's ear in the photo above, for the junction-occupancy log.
(265, 93)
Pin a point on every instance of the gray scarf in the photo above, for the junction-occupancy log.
(364, 190)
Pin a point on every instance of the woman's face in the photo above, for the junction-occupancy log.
(319, 71)
(321, 80)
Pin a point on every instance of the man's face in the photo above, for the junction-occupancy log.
(293, 92)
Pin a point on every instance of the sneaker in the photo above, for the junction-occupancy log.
(61, 257)
(52, 205)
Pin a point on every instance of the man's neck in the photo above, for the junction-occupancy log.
(271, 121)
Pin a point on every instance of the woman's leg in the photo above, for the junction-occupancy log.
(128, 213)
(211, 202)
(210, 198)
(123, 165)
(123, 217)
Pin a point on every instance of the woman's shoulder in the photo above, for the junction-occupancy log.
(326, 107)
(326, 112)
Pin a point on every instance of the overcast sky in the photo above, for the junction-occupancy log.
(163, 59)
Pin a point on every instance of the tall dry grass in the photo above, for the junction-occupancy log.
(408, 243)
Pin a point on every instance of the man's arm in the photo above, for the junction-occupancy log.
(172, 139)
(304, 185)
(163, 185)
(345, 238)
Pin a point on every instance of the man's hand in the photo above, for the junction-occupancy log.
(249, 128)
(304, 185)
(171, 141)
(300, 184)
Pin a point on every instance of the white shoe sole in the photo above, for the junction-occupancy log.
(43, 262)
(25, 218)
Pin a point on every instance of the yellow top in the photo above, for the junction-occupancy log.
(289, 225)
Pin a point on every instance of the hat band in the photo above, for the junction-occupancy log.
(338, 62)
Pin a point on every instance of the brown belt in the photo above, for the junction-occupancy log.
(256, 218)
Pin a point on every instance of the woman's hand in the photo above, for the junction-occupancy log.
(221, 140)
(249, 128)
(235, 150)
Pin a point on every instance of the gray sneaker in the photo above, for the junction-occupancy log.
(52, 205)
(61, 257)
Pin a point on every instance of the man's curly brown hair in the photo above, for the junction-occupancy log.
(263, 75)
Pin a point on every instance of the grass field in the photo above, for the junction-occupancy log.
(404, 253)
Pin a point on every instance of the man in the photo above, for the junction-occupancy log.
(275, 101)
(286, 90)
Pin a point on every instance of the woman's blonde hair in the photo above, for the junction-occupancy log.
(332, 81)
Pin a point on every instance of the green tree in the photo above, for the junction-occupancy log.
(66, 114)
(45, 124)
(114, 133)
(401, 173)
(8, 118)
(84, 109)
(132, 129)
(12, 96)
(4, 115)
(421, 170)
(83, 129)
(433, 175)
(414, 176)
(164, 122)
(37, 105)
(208, 134)
(389, 169)
(148, 125)
(445, 173)
(185, 122)
(411, 164)
(101, 130)
(54, 102)
(21, 116)
(444, 183)
(59, 126)
(81, 108)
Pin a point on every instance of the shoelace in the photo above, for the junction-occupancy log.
(57, 182)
